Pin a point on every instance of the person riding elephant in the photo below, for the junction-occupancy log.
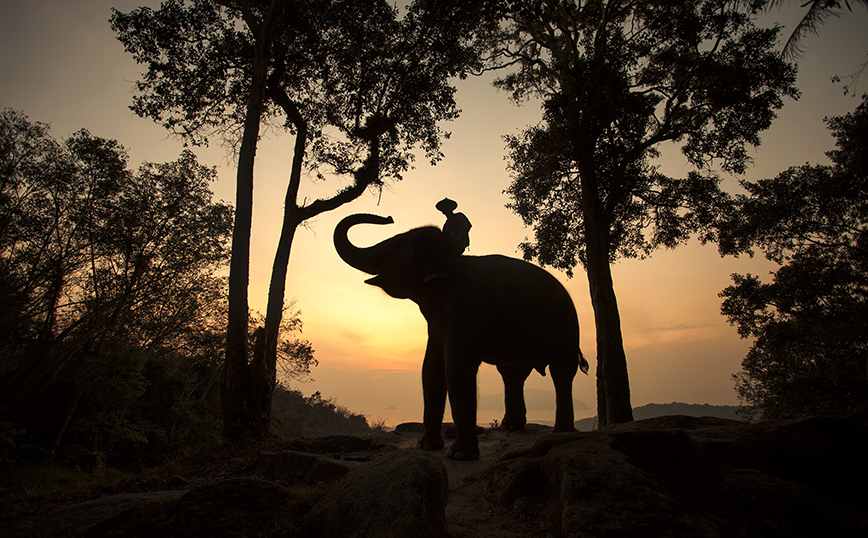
(457, 225)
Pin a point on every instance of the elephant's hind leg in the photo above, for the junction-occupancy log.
(515, 414)
(563, 372)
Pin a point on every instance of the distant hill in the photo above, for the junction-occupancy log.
(674, 408)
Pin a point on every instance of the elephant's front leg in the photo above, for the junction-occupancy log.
(434, 394)
(461, 379)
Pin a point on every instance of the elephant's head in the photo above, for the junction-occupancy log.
(403, 264)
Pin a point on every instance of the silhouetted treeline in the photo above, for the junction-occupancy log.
(111, 301)
(112, 309)
(312, 416)
(730, 412)
(810, 350)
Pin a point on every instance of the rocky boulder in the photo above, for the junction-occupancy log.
(232, 508)
(291, 466)
(691, 477)
(401, 494)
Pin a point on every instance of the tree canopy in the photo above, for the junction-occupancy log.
(811, 349)
(337, 68)
(618, 80)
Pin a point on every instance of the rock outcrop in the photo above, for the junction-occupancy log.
(691, 477)
(232, 508)
(397, 496)
(674, 476)
(291, 466)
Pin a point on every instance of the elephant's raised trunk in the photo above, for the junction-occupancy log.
(368, 259)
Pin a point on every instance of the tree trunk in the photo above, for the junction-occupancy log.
(261, 388)
(64, 423)
(266, 376)
(235, 385)
(613, 384)
(264, 368)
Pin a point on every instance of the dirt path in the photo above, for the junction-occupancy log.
(469, 513)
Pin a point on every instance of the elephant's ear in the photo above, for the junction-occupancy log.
(392, 286)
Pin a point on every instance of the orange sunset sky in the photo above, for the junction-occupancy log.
(60, 64)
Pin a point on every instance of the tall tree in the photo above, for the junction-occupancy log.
(357, 86)
(810, 351)
(208, 65)
(617, 80)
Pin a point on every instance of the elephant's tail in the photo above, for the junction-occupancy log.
(583, 364)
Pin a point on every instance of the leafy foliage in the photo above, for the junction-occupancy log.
(617, 80)
(110, 288)
(313, 416)
(295, 356)
(811, 349)
(113, 329)
(339, 67)
(815, 17)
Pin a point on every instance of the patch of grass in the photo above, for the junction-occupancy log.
(29, 486)
(379, 426)
(292, 520)
(308, 495)
(36, 479)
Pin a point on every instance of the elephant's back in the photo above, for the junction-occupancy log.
(503, 275)
(509, 296)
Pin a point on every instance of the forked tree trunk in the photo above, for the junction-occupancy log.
(264, 375)
(235, 384)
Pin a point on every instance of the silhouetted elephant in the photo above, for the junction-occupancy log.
(495, 309)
